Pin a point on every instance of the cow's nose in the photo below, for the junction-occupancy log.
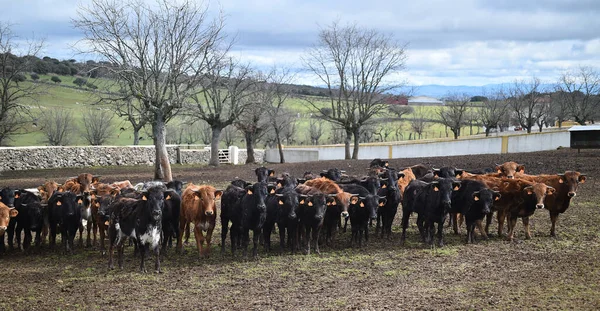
(540, 206)
(209, 213)
(510, 176)
(345, 214)
(3, 228)
(11, 205)
(446, 203)
(292, 216)
(571, 194)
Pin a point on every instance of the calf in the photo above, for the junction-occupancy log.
(566, 188)
(6, 213)
(432, 204)
(231, 211)
(101, 212)
(32, 218)
(533, 198)
(363, 207)
(334, 211)
(387, 212)
(254, 214)
(509, 169)
(87, 218)
(312, 205)
(404, 178)
(64, 212)
(139, 219)
(474, 201)
(379, 163)
(170, 217)
(418, 170)
(263, 174)
(7, 196)
(282, 209)
(198, 206)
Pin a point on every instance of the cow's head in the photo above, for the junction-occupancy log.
(206, 196)
(572, 179)
(539, 191)
(66, 203)
(372, 184)
(485, 199)
(176, 185)
(240, 183)
(316, 205)
(509, 169)
(444, 188)
(287, 202)
(258, 192)
(445, 172)
(263, 173)
(7, 196)
(6, 213)
(154, 199)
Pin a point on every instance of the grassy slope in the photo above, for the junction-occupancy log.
(65, 95)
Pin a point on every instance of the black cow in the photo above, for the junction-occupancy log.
(170, 217)
(176, 185)
(282, 209)
(264, 174)
(85, 205)
(7, 196)
(140, 219)
(287, 181)
(433, 204)
(481, 171)
(387, 212)
(473, 200)
(311, 213)
(64, 212)
(363, 207)
(333, 174)
(379, 163)
(254, 214)
(442, 172)
(32, 217)
(231, 211)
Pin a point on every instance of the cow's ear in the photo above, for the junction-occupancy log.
(498, 169)
(529, 190)
(12, 212)
(362, 204)
(582, 178)
(550, 190)
(218, 194)
(310, 203)
(561, 178)
(271, 173)
(301, 201)
(436, 173)
(301, 180)
(382, 201)
(521, 169)
(456, 185)
(476, 195)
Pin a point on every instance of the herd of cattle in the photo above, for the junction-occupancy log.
(306, 210)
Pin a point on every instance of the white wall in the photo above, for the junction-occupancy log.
(292, 155)
(538, 141)
(448, 148)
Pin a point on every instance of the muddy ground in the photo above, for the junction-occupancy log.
(542, 273)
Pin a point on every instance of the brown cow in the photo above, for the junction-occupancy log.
(509, 169)
(198, 206)
(566, 188)
(5, 214)
(122, 184)
(533, 198)
(404, 180)
(47, 190)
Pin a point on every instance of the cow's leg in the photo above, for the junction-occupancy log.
(315, 239)
(405, 218)
(142, 248)
(526, 226)
(233, 236)
(256, 233)
(187, 232)
(208, 240)
(454, 220)
(157, 259)
(379, 216)
(27, 239)
(88, 242)
(482, 231)
(199, 241)
(94, 230)
(440, 233)
(345, 224)
(52, 239)
(2, 247)
(422, 228)
(488, 222)
(18, 230)
(182, 224)
(307, 239)
(120, 249)
(12, 224)
(282, 240)
(81, 228)
(366, 229)
(512, 223)
(102, 229)
(224, 229)
(553, 219)
(501, 217)
(267, 237)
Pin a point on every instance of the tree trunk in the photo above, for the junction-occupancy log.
(214, 146)
(279, 146)
(347, 144)
(487, 131)
(249, 148)
(356, 143)
(560, 122)
(136, 136)
(455, 132)
(162, 166)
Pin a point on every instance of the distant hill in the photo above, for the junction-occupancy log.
(438, 91)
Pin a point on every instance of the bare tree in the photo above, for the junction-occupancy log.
(355, 65)
(224, 97)
(383, 131)
(57, 126)
(336, 136)
(400, 111)
(274, 94)
(315, 130)
(493, 110)
(133, 111)
(160, 52)
(13, 113)
(580, 89)
(254, 123)
(523, 99)
(230, 135)
(559, 108)
(419, 121)
(289, 128)
(97, 126)
(454, 113)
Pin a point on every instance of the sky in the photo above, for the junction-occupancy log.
(458, 42)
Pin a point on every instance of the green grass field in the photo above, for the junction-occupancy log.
(67, 95)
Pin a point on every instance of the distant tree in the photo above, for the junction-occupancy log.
(454, 112)
(79, 81)
(524, 97)
(55, 79)
(419, 121)
(57, 126)
(315, 129)
(34, 77)
(230, 135)
(254, 123)
(91, 86)
(579, 89)
(479, 99)
(399, 110)
(275, 93)
(19, 78)
(383, 131)
(98, 126)
(493, 111)
(559, 109)
(14, 113)
(355, 65)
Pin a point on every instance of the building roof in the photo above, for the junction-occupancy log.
(594, 127)
(424, 99)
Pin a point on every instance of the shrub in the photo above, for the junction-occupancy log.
(79, 82)
(34, 77)
(55, 79)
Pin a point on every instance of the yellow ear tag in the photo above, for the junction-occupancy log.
(272, 174)
(16, 196)
(249, 192)
(384, 186)
(476, 198)
(362, 204)
(334, 203)
(272, 191)
(168, 197)
(529, 192)
(497, 198)
(79, 201)
(380, 203)
(560, 181)
(354, 200)
(387, 164)
(456, 188)
(499, 172)
(301, 201)
(144, 198)
(436, 189)
(106, 223)
(58, 203)
(310, 203)
(280, 202)
(279, 185)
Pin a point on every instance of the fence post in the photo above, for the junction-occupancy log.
(233, 155)
(178, 154)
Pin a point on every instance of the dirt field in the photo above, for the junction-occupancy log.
(542, 273)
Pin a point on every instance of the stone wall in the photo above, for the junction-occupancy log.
(25, 158)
